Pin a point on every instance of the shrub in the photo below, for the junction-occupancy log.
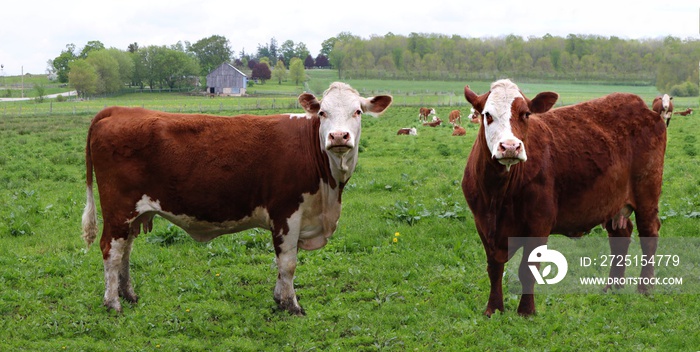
(685, 89)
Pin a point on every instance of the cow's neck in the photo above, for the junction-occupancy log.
(342, 167)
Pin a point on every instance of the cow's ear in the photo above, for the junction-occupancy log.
(309, 103)
(543, 102)
(376, 105)
(476, 101)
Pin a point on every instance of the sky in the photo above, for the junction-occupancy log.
(33, 32)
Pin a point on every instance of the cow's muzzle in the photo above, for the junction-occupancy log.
(339, 142)
(510, 152)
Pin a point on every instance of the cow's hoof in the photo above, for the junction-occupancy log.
(113, 305)
(129, 296)
(291, 306)
(526, 313)
(644, 289)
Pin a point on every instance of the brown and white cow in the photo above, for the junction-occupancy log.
(474, 117)
(214, 175)
(664, 107)
(434, 123)
(424, 113)
(407, 131)
(455, 116)
(458, 130)
(685, 112)
(534, 172)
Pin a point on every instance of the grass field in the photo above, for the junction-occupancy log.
(274, 96)
(404, 271)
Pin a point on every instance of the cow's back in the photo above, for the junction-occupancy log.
(202, 162)
(595, 151)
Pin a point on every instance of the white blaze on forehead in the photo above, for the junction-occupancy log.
(498, 106)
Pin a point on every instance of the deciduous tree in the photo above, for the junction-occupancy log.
(262, 72)
(296, 71)
(82, 78)
(280, 72)
(211, 52)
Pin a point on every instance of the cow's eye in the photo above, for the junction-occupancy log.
(322, 113)
(489, 118)
(358, 112)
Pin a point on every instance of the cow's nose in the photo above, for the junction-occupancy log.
(339, 139)
(510, 148)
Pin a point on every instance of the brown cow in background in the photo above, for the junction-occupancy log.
(407, 131)
(455, 116)
(458, 130)
(436, 122)
(424, 113)
(663, 106)
(685, 112)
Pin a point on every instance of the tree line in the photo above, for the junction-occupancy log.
(670, 63)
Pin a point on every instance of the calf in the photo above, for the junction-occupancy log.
(534, 172)
(214, 175)
(474, 117)
(436, 122)
(458, 130)
(423, 114)
(407, 131)
(685, 112)
(455, 117)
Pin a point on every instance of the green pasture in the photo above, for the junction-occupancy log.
(273, 96)
(404, 271)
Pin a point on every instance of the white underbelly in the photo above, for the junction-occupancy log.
(200, 230)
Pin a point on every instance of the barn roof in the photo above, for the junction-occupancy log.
(227, 66)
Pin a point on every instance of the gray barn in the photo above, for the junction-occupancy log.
(226, 80)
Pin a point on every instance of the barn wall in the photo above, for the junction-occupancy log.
(226, 80)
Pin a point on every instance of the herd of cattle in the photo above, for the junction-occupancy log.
(532, 171)
(455, 119)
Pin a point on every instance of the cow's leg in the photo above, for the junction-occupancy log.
(647, 192)
(495, 270)
(286, 255)
(126, 290)
(527, 281)
(113, 248)
(648, 225)
(619, 237)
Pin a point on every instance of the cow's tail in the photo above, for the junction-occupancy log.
(90, 213)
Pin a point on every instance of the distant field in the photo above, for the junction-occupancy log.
(425, 291)
(274, 96)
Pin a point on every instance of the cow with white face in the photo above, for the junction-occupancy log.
(216, 175)
(587, 164)
(664, 107)
(504, 110)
